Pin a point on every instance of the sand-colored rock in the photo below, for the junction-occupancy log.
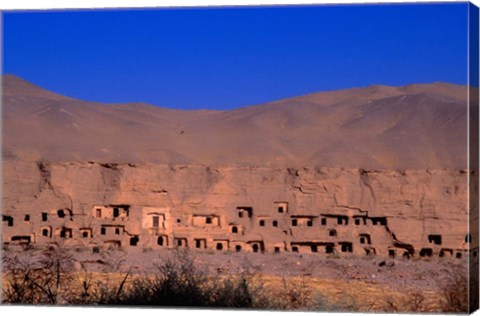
(258, 209)
(377, 170)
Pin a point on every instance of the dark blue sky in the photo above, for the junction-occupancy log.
(230, 57)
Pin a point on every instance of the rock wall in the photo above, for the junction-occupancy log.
(324, 210)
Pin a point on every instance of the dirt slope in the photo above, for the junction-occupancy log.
(378, 127)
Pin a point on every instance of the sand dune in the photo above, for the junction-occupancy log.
(378, 127)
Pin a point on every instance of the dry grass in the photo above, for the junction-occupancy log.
(179, 282)
(339, 295)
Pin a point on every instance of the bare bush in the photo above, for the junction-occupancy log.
(295, 295)
(111, 293)
(114, 260)
(454, 291)
(178, 282)
(416, 302)
(347, 303)
(230, 292)
(32, 280)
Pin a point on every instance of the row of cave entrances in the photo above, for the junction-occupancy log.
(329, 248)
(445, 252)
(256, 246)
(117, 244)
(340, 219)
(182, 242)
(429, 252)
(61, 213)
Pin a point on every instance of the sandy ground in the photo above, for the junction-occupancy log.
(351, 283)
(395, 273)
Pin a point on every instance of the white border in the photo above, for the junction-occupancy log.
(87, 4)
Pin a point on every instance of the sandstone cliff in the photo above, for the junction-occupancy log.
(376, 170)
(415, 205)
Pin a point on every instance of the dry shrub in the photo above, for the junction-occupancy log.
(295, 295)
(415, 301)
(454, 291)
(178, 282)
(347, 303)
(37, 280)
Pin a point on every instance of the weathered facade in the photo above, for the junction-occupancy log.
(324, 211)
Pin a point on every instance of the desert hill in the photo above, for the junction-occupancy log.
(379, 127)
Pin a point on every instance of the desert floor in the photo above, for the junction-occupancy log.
(339, 283)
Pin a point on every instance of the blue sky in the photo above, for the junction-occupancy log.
(224, 58)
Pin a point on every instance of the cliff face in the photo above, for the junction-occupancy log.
(63, 183)
(284, 209)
